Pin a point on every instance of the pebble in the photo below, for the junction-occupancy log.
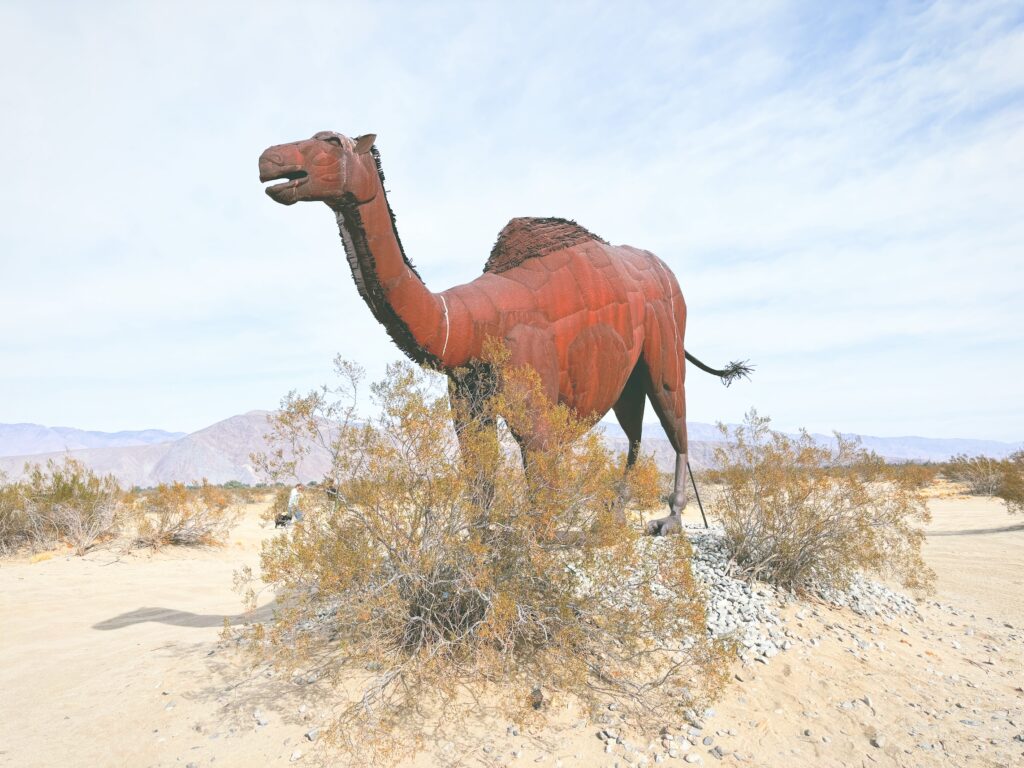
(708, 741)
(692, 757)
(313, 734)
(878, 741)
(296, 756)
(259, 718)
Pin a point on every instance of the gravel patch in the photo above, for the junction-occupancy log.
(748, 613)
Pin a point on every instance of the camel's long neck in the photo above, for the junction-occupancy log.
(415, 318)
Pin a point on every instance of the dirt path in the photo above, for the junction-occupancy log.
(115, 662)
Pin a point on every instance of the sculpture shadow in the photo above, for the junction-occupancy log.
(183, 618)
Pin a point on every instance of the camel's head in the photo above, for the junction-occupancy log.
(328, 167)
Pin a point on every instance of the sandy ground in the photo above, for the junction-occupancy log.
(114, 660)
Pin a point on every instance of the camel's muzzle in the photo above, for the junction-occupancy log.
(274, 165)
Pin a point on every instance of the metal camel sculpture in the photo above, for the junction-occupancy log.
(601, 324)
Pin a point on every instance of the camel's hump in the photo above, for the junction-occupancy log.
(529, 237)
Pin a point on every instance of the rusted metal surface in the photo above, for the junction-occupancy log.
(602, 325)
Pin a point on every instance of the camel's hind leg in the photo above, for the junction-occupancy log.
(629, 411)
(665, 359)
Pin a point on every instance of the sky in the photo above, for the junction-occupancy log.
(837, 187)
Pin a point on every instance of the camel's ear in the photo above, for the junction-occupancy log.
(364, 142)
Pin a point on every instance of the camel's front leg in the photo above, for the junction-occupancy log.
(534, 349)
(466, 394)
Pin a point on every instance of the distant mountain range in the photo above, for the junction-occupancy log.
(889, 448)
(220, 452)
(25, 439)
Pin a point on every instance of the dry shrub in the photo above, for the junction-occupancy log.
(16, 528)
(985, 476)
(63, 502)
(179, 515)
(797, 513)
(432, 580)
(916, 475)
(982, 475)
(1011, 484)
(244, 494)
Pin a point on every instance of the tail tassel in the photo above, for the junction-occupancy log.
(736, 370)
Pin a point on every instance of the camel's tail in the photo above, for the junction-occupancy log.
(730, 373)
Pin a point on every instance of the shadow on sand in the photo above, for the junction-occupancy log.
(978, 531)
(183, 618)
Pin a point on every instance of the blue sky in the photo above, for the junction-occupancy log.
(838, 190)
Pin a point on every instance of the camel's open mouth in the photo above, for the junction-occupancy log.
(294, 177)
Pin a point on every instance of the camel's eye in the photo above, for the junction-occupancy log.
(333, 140)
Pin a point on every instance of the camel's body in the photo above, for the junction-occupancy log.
(602, 325)
(585, 316)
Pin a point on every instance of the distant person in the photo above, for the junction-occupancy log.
(295, 503)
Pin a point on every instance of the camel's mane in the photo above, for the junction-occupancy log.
(528, 238)
(394, 222)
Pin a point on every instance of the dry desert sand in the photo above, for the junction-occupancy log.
(112, 660)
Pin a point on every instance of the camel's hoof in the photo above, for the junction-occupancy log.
(664, 526)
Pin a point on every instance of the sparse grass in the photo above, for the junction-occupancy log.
(796, 512)
(434, 577)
